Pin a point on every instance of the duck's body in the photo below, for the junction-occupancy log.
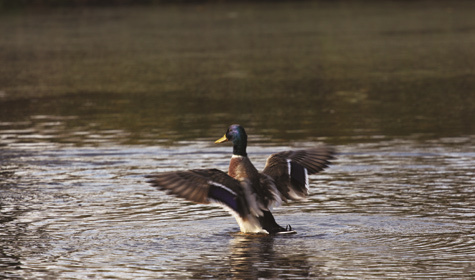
(246, 193)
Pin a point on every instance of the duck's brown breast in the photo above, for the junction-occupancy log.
(241, 168)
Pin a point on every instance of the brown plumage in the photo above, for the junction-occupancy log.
(296, 187)
(248, 194)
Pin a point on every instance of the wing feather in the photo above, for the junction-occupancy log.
(203, 186)
(290, 169)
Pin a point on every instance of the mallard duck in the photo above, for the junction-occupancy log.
(247, 194)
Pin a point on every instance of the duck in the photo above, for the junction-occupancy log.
(249, 195)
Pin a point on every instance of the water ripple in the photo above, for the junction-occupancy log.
(373, 214)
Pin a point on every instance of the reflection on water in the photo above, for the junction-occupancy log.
(385, 209)
(92, 100)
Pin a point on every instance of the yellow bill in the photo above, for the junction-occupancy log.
(221, 140)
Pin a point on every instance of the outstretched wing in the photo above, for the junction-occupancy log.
(203, 186)
(290, 170)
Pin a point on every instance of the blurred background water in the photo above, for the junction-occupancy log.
(92, 99)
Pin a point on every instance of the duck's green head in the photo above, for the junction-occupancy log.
(238, 136)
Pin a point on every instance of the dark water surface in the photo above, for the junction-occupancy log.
(92, 100)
